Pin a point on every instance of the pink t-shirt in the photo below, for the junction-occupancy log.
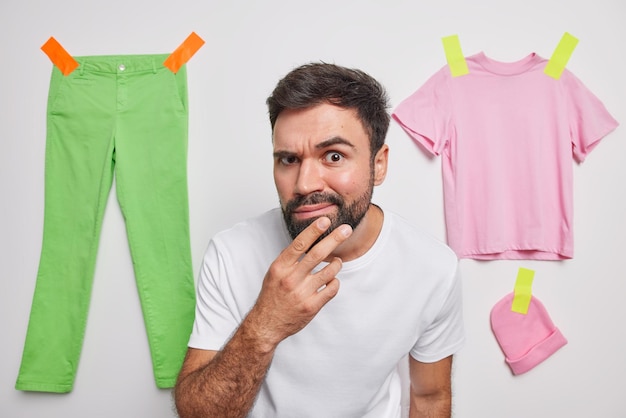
(507, 133)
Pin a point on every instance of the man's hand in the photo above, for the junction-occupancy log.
(225, 383)
(292, 294)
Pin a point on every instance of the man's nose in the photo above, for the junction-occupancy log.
(309, 178)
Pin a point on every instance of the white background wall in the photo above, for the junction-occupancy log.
(249, 45)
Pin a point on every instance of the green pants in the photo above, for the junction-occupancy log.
(125, 115)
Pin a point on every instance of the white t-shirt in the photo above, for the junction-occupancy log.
(402, 297)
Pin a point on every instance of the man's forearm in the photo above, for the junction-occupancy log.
(228, 385)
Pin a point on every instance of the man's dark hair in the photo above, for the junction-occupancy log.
(317, 83)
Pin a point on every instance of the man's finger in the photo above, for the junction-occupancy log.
(322, 249)
(327, 274)
(304, 240)
(326, 293)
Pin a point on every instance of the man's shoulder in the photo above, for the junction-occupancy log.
(414, 239)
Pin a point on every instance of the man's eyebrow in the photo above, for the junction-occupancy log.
(334, 141)
(324, 144)
(283, 154)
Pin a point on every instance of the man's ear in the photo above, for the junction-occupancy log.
(380, 165)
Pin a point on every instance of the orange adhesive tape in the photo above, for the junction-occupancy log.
(184, 52)
(59, 56)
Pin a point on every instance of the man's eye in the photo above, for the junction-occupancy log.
(288, 160)
(333, 157)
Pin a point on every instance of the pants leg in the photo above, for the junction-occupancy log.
(151, 176)
(90, 121)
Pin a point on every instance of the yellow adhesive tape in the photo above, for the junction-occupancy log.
(523, 290)
(184, 52)
(454, 55)
(561, 55)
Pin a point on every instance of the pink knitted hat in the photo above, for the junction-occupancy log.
(526, 340)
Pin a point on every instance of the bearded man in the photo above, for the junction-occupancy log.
(314, 308)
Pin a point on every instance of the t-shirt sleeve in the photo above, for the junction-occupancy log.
(446, 334)
(589, 120)
(425, 114)
(214, 322)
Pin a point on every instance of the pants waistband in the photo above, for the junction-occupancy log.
(121, 63)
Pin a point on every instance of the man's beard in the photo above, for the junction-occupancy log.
(351, 214)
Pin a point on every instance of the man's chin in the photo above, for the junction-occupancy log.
(302, 223)
(296, 226)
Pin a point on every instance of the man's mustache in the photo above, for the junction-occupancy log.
(313, 199)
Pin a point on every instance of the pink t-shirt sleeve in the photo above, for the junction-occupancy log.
(425, 115)
(588, 117)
